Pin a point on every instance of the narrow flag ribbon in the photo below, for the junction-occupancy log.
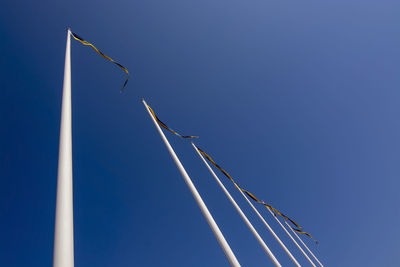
(245, 191)
(167, 128)
(216, 165)
(80, 39)
(275, 211)
(280, 214)
(305, 233)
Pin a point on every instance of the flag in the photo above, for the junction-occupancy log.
(245, 191)
(305, 233)
(167, 128)
(80, 39)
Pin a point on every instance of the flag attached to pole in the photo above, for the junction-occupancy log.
(169, 129)
(245, 191)
(80, 39)
(304, 233)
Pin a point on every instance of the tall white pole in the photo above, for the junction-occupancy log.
(64, 228)
(269, 228)
(298, 237)
(245, 219)
(291, 237)
(206, 213)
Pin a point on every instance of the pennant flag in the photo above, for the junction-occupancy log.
(215, 164)
(167, 128)
(280, 214)
(305, 233)
(270, 207)
(80, 39)
(245, 191)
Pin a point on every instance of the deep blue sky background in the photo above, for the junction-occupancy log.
(296, 99)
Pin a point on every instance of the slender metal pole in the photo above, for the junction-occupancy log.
(64, 224)
(291, 237)
(269, 228)
(298, 237)
(207, 215)
(245, 219)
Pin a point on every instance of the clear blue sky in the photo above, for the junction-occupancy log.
(298, 100)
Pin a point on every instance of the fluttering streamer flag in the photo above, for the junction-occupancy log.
(217, 166)
(169, 129)
(80, 39)
(305, 233)
(251, 195)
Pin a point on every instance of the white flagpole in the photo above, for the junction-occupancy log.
(298, 237)
(245, 219)
(206, 213)
(269, 228)
(64, 228)
(291, 237)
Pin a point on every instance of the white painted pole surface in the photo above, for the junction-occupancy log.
(64, 225)
(270, 229)
(291, 237)
(298, 237)
(245, 219)
(207, 215)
